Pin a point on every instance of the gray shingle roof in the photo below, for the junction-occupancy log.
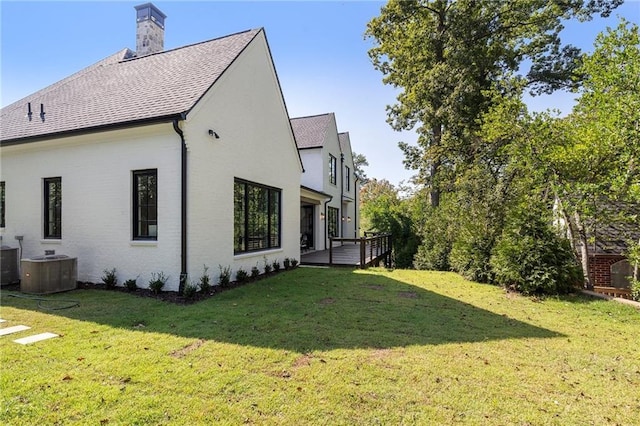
(345, 142)
(310, 131)
(120, 89)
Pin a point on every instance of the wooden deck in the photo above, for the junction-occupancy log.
(358, 252)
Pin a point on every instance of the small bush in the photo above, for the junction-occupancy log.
(267, 267)
(276, 265)
(287, 263)
(241, 275)
(294, 263)
(131, 284)
(225, 276)
(110, 278)
(255, 272)
(205, 281)
(157, 281)
(635, 290)
(190, 290)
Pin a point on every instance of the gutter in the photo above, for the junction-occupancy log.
(342, 218)
(183, 205)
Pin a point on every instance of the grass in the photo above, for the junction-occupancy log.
(335, 346)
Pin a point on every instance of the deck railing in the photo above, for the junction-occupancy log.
(373, 248)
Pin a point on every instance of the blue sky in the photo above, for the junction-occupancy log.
(318, 49)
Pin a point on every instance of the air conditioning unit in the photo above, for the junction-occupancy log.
(49, 274)
(9, 265)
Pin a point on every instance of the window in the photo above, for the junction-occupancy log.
(332, 169)
(347, 176)
(332, 221)
(53, 207)
(256, 217)
(1, 204)
(145, 204)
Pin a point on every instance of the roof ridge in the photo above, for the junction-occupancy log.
(311, 116)
(192, 44)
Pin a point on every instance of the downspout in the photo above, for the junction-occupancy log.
(355, 208)
(342, 218)
(326, 221)
(183, 203)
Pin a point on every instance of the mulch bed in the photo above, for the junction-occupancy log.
(165, 296)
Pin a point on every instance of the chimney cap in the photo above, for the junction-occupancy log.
(149, 12)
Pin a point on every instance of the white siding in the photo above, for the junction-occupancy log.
(96, 172)
(245, 108)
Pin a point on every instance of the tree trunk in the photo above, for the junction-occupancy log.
(435, 165)
(584, 250)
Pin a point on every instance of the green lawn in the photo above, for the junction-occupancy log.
(320, 346)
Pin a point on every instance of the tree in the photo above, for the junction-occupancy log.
(359, 162)
(447, 56)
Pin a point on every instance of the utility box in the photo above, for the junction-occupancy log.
(48, 274)
(9, 265)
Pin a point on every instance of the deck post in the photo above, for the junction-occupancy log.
(363, 256)
(330, 251)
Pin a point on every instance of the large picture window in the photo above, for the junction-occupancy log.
(332, 169)
(145, 204)
(53, 208)
(256, 217)
(332, 221)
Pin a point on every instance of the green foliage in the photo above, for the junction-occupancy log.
(109, 278)
(276, 265)
(531, 258)
(190, 290)
(205, 280)
(225, 276)
(241, 275)
(294, 263)
(287, 263)
(157, 281)
(267, 267)
(255, 272)
(131, 284)
(633, 255)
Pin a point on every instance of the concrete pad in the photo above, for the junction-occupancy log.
(14, 329)
(35, 338)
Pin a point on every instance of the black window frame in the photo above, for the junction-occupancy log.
(258, 230)
(348, 177)
(333, 221)
(333, 164)
(52, 217)
(2, 204)
(140, 229)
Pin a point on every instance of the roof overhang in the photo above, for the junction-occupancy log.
(312, 196)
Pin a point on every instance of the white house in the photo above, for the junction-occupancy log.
(330, 187)
(160, 161)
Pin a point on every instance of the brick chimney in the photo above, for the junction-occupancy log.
(150, 29)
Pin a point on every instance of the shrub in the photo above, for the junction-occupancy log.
(241, 275)
(276, 265)
(205, 281)
(225, 276)
(109, 278)
(190, 290)
(529, 257)
(157, 281)
(267, 267)
(255, 272)
(294, 263)
(287, 263)
(131, 284)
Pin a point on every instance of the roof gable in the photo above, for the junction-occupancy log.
(310, 132)
(120, 89)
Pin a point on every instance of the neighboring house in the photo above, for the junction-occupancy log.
(608, 239)
(156, 161)
(329, 188)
